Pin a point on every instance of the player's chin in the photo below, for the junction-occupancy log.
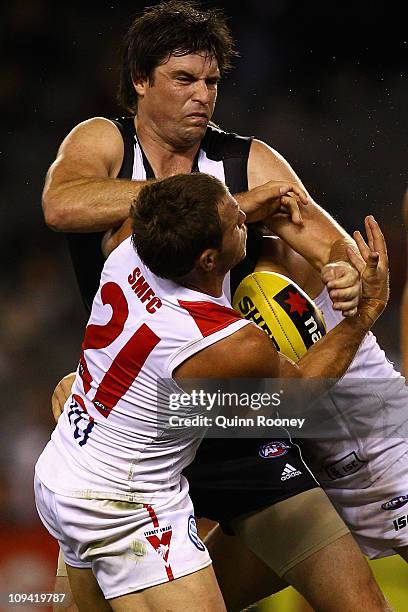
(199, 128)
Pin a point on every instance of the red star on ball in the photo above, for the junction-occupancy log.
(297, 303)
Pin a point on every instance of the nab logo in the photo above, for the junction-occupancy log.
(272, 450)
(395, 503)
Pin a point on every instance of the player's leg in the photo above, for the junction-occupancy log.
(337, 577)
(86, 591)
(197, 592)
(243, 578)
(305, 541)
(62, 586)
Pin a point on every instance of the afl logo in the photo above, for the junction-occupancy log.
(272, 450)
(396, 502)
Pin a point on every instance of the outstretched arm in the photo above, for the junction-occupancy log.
(319, 239)
(82, 193)
(256, 356)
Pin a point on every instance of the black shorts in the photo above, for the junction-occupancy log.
(233, 477)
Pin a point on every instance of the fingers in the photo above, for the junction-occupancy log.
(292, 187)
(343, 302)
(344, 280)
(291, 207)
(371, 257)
(350, 313)
(343, 284)
(356, 259)
(362, 245)
(340, 274)
(375, 236)
(369, 233)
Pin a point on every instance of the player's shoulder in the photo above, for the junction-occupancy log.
(263, 152)
(254, 354)
(96, 129)
(245, 353)
(94, 138)
(219, 144)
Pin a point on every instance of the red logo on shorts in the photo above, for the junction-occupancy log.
(162, 545)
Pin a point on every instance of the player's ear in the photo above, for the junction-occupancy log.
(140, 85)
(208, 260)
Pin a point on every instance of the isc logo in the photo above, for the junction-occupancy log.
(400, 522)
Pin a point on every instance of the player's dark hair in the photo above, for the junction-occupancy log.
(173, 27)
(174, 220)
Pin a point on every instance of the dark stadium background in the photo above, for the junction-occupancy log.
(323, 83)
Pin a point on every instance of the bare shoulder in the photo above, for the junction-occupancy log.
(266, 164)
(94, 142)
(247, 353)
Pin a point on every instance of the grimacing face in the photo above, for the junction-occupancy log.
(177, 104)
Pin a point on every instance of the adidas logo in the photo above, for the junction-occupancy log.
(289, 472)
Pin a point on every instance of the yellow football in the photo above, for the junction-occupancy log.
(282, 309)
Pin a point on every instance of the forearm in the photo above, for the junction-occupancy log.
(89, 204)
(320, 240)
(331, 356)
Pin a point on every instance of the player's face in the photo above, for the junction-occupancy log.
(234, 233)
(179, 101)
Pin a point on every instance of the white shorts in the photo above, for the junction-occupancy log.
(377, 516)
(128, 546)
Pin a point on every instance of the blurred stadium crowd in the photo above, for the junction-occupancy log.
(324, 85)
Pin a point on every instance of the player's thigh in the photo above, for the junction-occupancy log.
(243, 578)
(338, 577)
(306, 542)
(62, 587)
(197, 592)
(289, 531)
(86, 591)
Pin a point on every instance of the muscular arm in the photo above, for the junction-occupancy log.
(256, 357)
(319, 239)
(404, 303)
(81, 193)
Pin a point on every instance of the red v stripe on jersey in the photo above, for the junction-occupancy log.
(210, 317)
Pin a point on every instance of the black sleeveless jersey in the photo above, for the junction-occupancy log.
(221, 154)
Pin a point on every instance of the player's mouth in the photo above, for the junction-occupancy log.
(200, 116)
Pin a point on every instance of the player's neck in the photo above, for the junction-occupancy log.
(210, 284)
(165, 157)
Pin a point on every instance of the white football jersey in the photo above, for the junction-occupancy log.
(113, 440)
(366, 414)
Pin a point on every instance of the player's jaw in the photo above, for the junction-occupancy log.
(234, 233)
